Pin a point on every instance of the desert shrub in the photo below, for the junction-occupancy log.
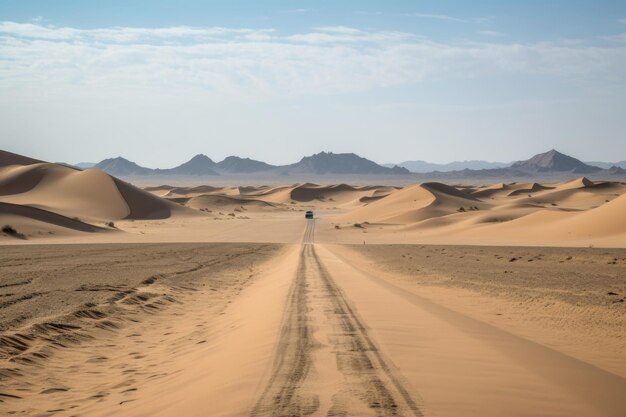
(337, 226)
(461, 210)
(9, 230)
(110, 224)
(359, 225)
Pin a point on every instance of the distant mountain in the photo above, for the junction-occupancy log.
(341, 163)
(85, 165)
(423, 166)
(608, 165)
(121, 167)
(615, 170)
(551, 163)
(554, 161)
(198, 165)
(235, 164)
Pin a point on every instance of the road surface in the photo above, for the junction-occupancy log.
(351, 344)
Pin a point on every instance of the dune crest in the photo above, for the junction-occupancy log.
(52, 197)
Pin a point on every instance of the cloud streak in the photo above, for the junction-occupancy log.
(449, 18)
(244, 64)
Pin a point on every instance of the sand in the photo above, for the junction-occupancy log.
(87, 328)
(425, 300)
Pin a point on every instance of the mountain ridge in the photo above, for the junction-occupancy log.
(555, 161)
(421, 166)
(551, 163)
(200, 165)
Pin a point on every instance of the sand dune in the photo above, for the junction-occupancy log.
(416, 203)
(527, 189)
(9, 158)
(514, 212)
(91, 194)
(29, 220)
(214, 202)
(43, 198)
(606, 220)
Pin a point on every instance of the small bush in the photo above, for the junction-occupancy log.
(7, 229)
(461, 210)
(359, 225)
(111, 224)
(337, 226)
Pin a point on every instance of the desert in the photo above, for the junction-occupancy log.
(420, 299)
(312, 208)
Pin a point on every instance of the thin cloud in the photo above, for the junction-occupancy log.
(622, 21)
(339, 29)
(343, 34)
(303, 10)
(250, 64)
(121, 34)
(437, 16)
(445, 17)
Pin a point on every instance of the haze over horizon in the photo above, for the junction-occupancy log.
(158, 82)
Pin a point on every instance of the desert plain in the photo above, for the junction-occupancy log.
(428, 299)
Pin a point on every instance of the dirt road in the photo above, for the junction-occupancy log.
(352, 345)
(325, 362)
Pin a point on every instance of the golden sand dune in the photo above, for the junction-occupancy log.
(224, 202)
(416, 203)
(59, 198)
(520, 213)
(9, 158)
(29, 219)
(90, 194)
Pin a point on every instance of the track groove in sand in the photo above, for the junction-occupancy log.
(320, 325)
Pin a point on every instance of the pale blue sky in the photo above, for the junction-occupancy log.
(159, 81)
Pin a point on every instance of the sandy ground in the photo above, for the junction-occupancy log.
(311, 329)
(225, 301)
(89, 326)
(565, 298)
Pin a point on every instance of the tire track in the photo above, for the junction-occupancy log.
(319, 323)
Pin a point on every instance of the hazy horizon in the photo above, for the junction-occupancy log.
(158, 82)
(299, 158)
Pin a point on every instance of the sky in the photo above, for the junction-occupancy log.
(159, 81)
